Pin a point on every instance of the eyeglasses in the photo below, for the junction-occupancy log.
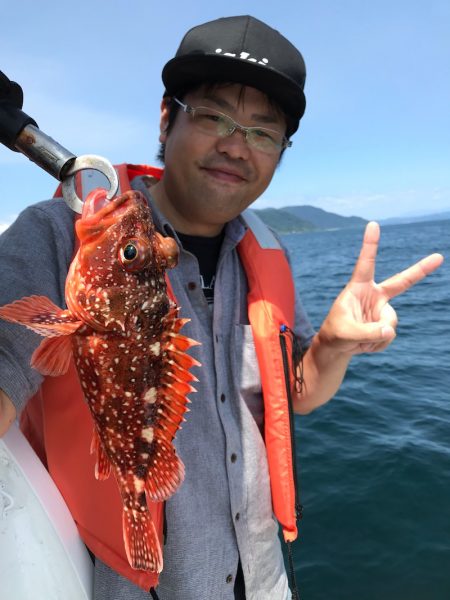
(213, 122)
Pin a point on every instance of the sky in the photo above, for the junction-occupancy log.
(375, 138)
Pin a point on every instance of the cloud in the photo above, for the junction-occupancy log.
(357, 204)
(4, 227)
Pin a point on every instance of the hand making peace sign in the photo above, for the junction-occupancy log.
(361, 318)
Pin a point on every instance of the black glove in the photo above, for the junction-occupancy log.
(12, 118)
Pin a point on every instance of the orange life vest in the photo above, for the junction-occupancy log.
(59, 426)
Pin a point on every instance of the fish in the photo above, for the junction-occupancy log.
(123, 332)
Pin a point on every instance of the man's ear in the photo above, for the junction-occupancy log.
(164, 121)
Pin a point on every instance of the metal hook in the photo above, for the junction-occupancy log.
(87, 161)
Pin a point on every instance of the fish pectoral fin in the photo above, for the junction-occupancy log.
(103, 464)
(165, 473)
(41, 315)
(141, 541)
(53, 355)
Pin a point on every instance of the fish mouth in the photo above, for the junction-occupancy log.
(97, 207)
(99, 213)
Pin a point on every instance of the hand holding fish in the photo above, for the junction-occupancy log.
(7, 413)
(361, 318)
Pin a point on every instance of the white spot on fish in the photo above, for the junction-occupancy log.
(155, 348)
(150, 395)
(138, 485)
(147, 434)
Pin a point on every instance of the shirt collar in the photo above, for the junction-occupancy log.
(234, 230)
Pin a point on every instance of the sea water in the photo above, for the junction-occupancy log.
(374, 463)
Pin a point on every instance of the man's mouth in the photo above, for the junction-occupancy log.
(225, 174)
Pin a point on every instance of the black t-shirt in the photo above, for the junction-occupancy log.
(206, 250)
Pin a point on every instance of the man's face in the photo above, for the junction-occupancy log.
(209, 180)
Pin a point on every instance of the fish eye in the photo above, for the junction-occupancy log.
(130, 252)
(134, 254)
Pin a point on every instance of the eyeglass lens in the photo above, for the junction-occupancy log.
(215, 123)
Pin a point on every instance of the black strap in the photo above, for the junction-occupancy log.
(153, 594)
(294, 588)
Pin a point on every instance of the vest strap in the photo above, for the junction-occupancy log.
(264, 236)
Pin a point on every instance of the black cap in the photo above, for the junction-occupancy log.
(241, 50)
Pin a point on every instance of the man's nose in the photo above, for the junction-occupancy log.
(234, 144)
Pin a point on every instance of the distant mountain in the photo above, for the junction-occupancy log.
(323, 219)
(282, 221)
(292, 219)
(443, 216)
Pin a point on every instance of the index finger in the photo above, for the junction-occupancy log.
(399, 283)
(365, 265)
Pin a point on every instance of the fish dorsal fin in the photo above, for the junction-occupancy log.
(166, 471)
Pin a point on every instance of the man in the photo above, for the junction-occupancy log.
(234, 97)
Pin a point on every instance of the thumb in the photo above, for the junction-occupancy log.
(377, 338)
(374, 333)
(7, 413)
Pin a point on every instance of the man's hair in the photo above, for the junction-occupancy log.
(174, 108)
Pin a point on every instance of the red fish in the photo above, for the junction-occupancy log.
(123, 333)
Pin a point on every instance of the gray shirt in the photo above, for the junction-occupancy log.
(223, 509)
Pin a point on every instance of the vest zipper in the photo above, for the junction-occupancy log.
(287, 365)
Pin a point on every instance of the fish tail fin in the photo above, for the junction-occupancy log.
(166, 472)
(141, 541)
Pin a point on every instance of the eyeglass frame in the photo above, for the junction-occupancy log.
(190, 110)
